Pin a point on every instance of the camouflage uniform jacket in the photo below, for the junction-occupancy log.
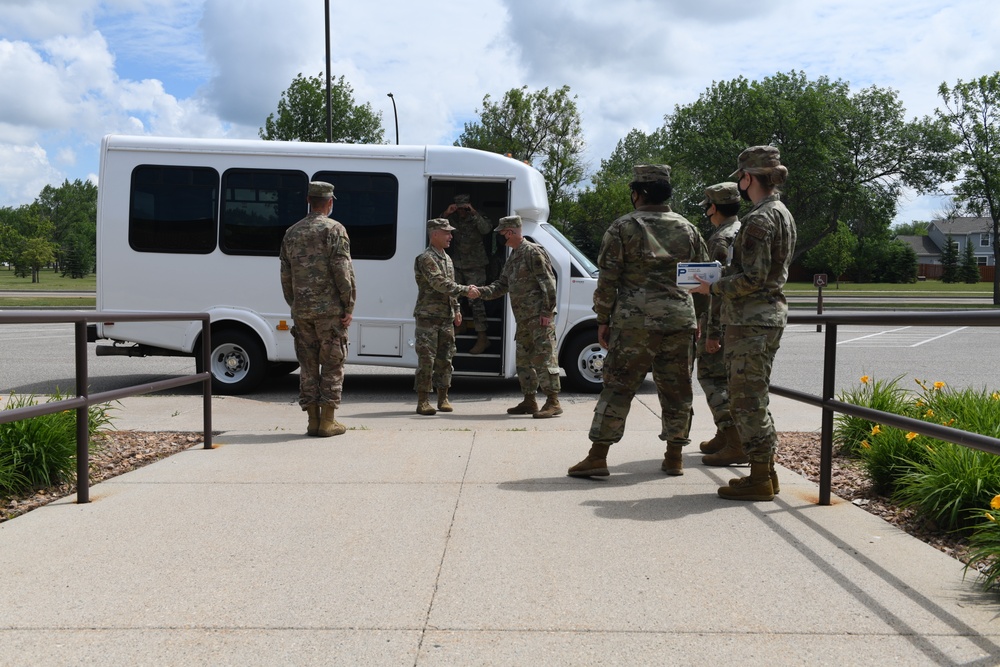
(720, 249)
(637, 285)
(437, 291)
(528, 277)
(751, 291)
(317, 276)
(467, 249)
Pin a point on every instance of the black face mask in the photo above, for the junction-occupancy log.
(743, 193)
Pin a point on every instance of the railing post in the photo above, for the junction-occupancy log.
(82, 415)
(826, 433)
(206, 385)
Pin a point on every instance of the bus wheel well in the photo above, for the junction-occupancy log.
(237, 360)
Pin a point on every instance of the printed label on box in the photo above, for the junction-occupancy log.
(707, 271)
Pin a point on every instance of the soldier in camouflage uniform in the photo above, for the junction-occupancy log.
(528, 277)
(469, 257)
(721, 204)
(754, 311)
(317, 278)
(645, 320)
(436, 314)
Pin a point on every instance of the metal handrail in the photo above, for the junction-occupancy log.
(831, 405)
(84, 399)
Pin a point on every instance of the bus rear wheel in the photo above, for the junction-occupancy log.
(237, 362)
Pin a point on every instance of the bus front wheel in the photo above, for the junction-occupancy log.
(237, 362)
(583, 361)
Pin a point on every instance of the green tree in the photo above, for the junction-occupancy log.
(968, 270)
(972, 112)
(834, 254)
(949, 261)
(301, 114)
(542, 128)
(914, 228)
(72, 210)
(848, 155)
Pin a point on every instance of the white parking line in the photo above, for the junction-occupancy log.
(941, 336)
(879, 333)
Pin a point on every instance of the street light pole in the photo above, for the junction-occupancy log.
(395, 116)
(329, 110)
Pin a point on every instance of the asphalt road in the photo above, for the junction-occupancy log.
(38, 359)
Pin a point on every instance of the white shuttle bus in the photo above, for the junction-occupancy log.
(194, 225)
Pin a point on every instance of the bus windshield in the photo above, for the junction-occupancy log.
(577, 254)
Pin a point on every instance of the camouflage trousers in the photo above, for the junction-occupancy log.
(750, 354)
(320, 347)
(714, 380)
(631, 355)
(535, 357)
(474, 276)
(435, 345)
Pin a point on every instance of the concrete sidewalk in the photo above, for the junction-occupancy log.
(458, 540)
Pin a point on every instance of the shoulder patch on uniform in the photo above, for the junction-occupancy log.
(753, 230)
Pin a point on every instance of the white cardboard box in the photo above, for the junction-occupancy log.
(686, 272)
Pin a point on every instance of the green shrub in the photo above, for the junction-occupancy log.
(951, 485)
(888, 454)
(886, 396)
(41, 451)
(984, 545)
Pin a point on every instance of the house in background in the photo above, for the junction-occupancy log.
(965, 231)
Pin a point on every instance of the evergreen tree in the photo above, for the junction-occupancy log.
(949, 261)
(968, 272)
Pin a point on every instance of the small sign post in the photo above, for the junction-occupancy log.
(819, 282)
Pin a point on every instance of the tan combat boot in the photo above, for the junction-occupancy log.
(672, 462)
(755, 487)
(712, 446)
(528, 406)
(771, 473)
(443, 404)
(550, 409)
(595, 465)
(482, 342)
(732, 453)
(424, 406)
(313, 427)
(328, 426)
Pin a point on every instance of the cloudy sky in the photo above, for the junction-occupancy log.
(72, 71)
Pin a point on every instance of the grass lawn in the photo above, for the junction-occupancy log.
(48, 281)
(934, 287)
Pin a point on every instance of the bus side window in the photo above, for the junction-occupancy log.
(367, 205)
(258, 206)
(173, 209)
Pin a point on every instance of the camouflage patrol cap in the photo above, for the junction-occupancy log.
(510, 222)
(439, 224)
(651, 173)
(721, 193)
(757, 160)
(321, 189)
(462, 199)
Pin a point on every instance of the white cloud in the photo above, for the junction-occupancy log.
(24, 171)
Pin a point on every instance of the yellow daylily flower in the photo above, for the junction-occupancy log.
(995, 503)
(876, 429)
(911, 435)
(919, 403)
(864, 443)
(939, 385)
(929, 413)
(864, 379)
(995, 396)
